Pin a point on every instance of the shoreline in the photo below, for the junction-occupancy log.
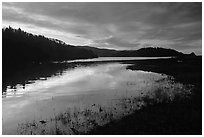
(177, 117)
(180, 117)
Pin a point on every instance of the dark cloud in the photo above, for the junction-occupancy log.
(115, 25)
(175, 13)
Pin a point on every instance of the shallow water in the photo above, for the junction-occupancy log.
(81, 86)
(116, 59)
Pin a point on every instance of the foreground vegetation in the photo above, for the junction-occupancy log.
(165, 110)
(182, 116)
(106, 119)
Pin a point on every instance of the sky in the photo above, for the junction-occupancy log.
(116, 25)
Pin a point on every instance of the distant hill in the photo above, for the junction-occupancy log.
(143, 52)
(149, 52)
(101, 52)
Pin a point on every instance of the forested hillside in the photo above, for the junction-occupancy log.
(22, 47)
(143, 52)
(149, 52)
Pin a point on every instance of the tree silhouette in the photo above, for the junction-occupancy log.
(150, 52)
(19, 46)
(20, 49)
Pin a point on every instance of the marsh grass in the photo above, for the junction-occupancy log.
(81, 120)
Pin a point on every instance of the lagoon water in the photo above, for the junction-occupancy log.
(80, 86)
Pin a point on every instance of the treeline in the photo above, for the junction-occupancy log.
(149, 52)
(22, 47)
(143, 52)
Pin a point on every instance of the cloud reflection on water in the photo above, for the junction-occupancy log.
(80, 86)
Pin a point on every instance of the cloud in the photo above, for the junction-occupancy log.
(117, 25)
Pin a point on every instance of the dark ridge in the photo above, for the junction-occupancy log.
(21, 46)
(101, 52)
(150, 52)
(20, 49)
(143, 52)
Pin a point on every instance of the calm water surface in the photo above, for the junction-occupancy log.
(81, 86)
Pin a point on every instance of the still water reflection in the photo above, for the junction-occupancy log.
(77, 87)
